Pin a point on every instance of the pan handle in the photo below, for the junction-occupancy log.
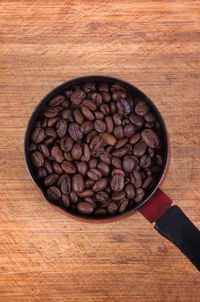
(173, 224)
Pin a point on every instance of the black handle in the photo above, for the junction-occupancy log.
(176, 227)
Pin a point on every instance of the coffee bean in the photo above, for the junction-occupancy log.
(136, 120)
(79, 118)
(65, 103)
(150, 138)
(65, 185)
(74, 131)
(117, 183)
(89, 86)
(106, 96)
(117, 119)
(56, 101)
(90, 200)
(121, 143)
(41, 173)
(89, 183)
(136, 179)
(129, 130)
(141, 108)
(150, 117)
(105, 157)
(37, 159)
(77, 97)
(105, 109)
(90, 104)
(159, 160)
(48, 166)
(74, 198)
(129, 164)
(53, 193)
(99, 126)
(117, 171)
(103, 87)
(57, 168)
(145, 161)
(147, 182)
(108, 138)
(76, 151)
(78, 183)
(90, 136)
(51, 179)
(66, 144)
(57, 154)
(120, 152)
(100, 212)
(50, 132)
(61, 127)
(92, 163)
(116, 162)
(112, 208)
(118, 132)
(113, 107)
(32, 147)
(94, 174)
(51, 112)
(109, 124)
(118, 94)
(86, 153)
(68, 167)
(68, 156)
(139, 148)
(102, 196)
(85, 208)
(130, 192)
(123, 107)
(82, 167)
(38, 135)
(118, 195)
(87, 113)
(104, 168)
(44, 150)
(65, 200)
(97, 98)
(66, 114)
(123, 205)
(135, 138)
(100, 185)
(139, 195)
(51, 121)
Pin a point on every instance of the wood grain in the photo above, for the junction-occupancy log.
(153, 44)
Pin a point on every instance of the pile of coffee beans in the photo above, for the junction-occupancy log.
(97, 148)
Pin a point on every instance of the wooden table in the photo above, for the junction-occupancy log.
(45, 256)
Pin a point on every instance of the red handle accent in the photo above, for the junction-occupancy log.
(156, 206)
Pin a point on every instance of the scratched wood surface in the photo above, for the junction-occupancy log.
(45, 256)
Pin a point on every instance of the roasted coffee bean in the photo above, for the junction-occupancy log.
(147, 182)
(90, 136)
(76, 151)
(51, 112)
(37, 159)
(50, 132)
(129, 130)
(150, 117)
(129, 164)
(102, 196)
(117, 171)
(120, 152)
(130, 192)
(68, 156)
(100, 211)
(38, 135)
(51, 121)
(131, 102)
(113, 107)
(105, 109)
(99, 115)
(89, 183)
(117, 183)
(159, 160)
(89, 86)
(137, 120)
(103, 87)
(87, 113)
(56, 101)
(85, 208)
(149, 124)
(57, 154)
(86, 153)
(41, 173)
(105, 157)
(74, 131)
(92, 163)
(104, 168)
(141, 108)
(57, 168)
(99, 126)
(117, 119)
(73, 197)
(123, 205)
(106, 96)
(44, 150)
(148, 172)
(135, 138)
(97, 98)
(65, 103)
(116, 162)
(139, 195)
(100, 185)
(112, 208)
(82, 167)
(77, 97)
(108, 138)
(66, 114)
(32, 147)
(79, 118)
(68, 92)
(66, 144)
(116, 86)
(139, 148)
(118, 132)
(145, 161)
(150, 138)
(94, 174)
(51, 179)
(65, 200)
(136, 179)
(68, 167)
(118, 195)
(109, 124)
(78, 183)
(90, 104)
(121, 143)
(53, 193)
(48, 166)
(118, 94)
(61, 127)
(123, 107)
(90, 200)
(86, 193)
(44, 122)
